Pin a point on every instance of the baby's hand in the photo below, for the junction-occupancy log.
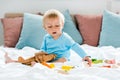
(87, 58)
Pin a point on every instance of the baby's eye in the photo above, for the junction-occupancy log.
(49, 26)
(57, 26)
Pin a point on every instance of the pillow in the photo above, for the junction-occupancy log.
(12, 28)
(32, 32)
(110, 34)
(70, 27)
(89, 26)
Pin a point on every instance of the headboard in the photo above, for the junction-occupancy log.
(13, 15)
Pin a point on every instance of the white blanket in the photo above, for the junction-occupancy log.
(17, 71)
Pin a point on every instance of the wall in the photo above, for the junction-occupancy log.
(115, 6)
(75, 6)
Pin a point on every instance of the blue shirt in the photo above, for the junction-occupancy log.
(61, 46)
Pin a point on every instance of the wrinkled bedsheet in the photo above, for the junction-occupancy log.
(17, 71)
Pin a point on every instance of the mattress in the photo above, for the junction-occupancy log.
(18, 71)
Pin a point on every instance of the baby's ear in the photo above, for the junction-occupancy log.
(44, 27)
(62, 24)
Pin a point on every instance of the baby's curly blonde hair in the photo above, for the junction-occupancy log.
(53, 13)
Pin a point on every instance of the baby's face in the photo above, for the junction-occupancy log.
(54, 27)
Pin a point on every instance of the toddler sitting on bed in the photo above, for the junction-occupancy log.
(57, 41)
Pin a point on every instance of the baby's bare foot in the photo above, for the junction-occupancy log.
(8, 59)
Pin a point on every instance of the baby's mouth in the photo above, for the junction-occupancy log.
(54, 32)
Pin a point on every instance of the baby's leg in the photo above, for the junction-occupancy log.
(61, 60)
(8, 59)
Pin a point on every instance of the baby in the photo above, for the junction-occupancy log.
(58, 42)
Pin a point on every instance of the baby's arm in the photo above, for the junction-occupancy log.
(76, 47)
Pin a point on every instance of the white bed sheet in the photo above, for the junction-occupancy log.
(17, 71)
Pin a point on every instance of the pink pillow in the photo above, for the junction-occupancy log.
(12, 28)
(89, 27)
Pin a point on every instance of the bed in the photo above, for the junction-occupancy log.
(13, 71)
(79, 70)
